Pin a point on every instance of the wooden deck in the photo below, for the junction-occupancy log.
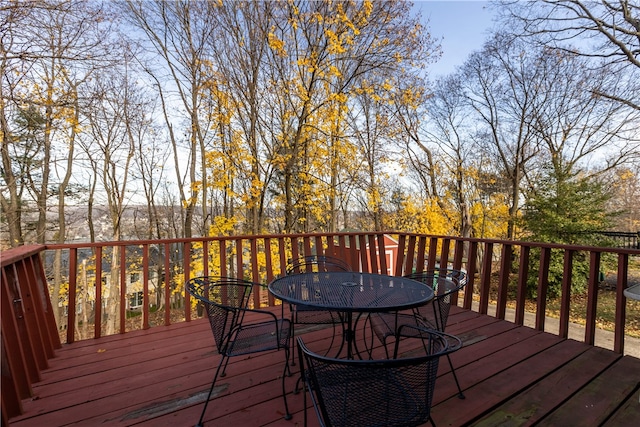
(511, 375)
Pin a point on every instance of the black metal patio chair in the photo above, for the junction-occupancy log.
(307, 315)
(446, 283)
(226, 302)
(373, 393)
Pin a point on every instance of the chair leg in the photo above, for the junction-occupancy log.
(455, 377)
(304, 402)
(292, 337)
(333, 337)
(224, 370)
(367, 347)
(287, 414)
(213, 383)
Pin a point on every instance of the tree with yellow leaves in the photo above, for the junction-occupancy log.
(322, 56)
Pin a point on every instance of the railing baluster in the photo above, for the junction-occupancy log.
(543, 285)
(382, 253)
(255, 273)
(239, 267)
(523, 276)
(295, 252)
(282, 252)
(223, 258)
(167, 284)
(592, 298)
(444, 253)
(433, 253)
(422, 252)
(145, 287)
(410, 255)
(71, 305)
(565, 299)
(362, 244)
(31, 312)
(400, 256)
(123, 288)
(186, 270)
(319, 245)
(472, 268)
(97, 322)
(621, 306)
(503, 280)
(205, 258)
(485, 278)
(306, 246)
(374, 253)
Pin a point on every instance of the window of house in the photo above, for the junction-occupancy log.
(135, 300)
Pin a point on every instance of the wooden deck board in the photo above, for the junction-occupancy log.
(510, 374)
(541, 398)
(601, 397)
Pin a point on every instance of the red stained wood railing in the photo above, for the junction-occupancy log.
(30, 336)
(29, 333)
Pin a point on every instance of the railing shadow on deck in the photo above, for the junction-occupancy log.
(147, 275)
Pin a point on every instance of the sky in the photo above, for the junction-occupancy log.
(461, 26)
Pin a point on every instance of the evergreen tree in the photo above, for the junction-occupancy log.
(565, 207)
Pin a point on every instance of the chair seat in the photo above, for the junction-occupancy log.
(385, 325)
(305, 314)
(259, 337)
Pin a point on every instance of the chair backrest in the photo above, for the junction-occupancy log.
(225, 300)
(445, 282)
(388, 392)
(315, 264)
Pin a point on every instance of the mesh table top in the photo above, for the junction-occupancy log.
(351, 291)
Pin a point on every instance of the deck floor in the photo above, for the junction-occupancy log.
(511, 375)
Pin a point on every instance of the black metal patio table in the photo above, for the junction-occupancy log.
(633, 292)
(351, 292)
